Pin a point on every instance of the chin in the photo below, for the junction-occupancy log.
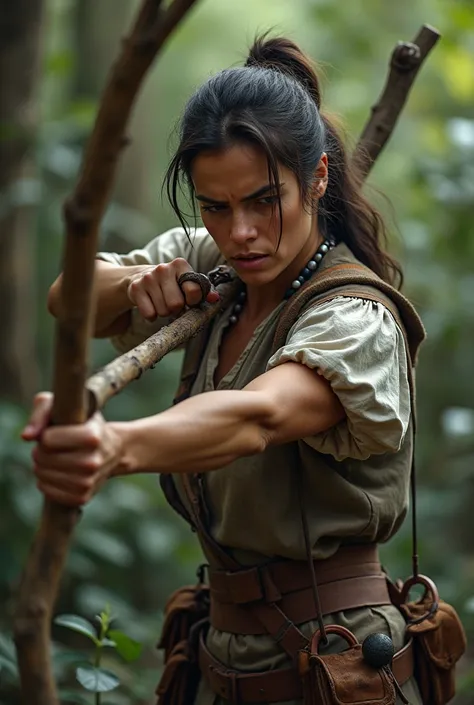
(256, 278)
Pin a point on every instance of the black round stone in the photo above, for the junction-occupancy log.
(378, 650)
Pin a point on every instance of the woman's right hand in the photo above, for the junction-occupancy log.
(155, 290)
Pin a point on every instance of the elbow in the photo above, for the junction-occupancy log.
(267, 426)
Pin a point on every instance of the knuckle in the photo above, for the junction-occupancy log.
(159, 269)
(92, 438)
(92, 464)
(148, 278)
(42, 397)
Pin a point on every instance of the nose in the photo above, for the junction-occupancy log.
(242, 227)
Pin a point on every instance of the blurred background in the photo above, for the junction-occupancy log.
(129, 550)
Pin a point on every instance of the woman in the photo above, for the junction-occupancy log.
(323, 419)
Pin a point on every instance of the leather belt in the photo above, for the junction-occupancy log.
(350, 579)
(278, 685)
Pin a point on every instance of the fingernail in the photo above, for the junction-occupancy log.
(28, 431)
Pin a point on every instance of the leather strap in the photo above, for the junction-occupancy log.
(278, 685)
(272, 580)
(349, 579)
(299, 606)
(273, 620)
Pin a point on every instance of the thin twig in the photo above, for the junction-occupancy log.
(406, 60)
(115, 376)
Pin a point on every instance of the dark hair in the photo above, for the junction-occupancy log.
(273, 102)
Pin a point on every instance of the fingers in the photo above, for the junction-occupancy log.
(155, 291)
(40, 416)
(212, 296)
(73, 497)
(71, 464)
(191, 290)
(86, 436)
(143, 301)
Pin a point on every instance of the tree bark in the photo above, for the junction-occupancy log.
(20, 53)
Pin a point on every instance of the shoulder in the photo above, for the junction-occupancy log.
(344, 318)
(357, 346)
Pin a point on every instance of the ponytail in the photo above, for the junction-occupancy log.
(344, 213)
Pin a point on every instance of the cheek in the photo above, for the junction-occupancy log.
(296, 219)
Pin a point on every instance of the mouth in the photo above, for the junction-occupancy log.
(249, 261)
(249, 255)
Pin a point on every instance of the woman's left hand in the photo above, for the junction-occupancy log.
(70, 462)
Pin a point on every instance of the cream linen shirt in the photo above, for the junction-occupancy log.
(355, 344)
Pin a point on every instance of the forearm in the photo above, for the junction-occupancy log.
(113, 305)
(201, 434)
(213, 429)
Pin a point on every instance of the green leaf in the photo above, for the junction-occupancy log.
(128, 648)
(108, 642)
(97, 680)
(8, 666)
(77, 624)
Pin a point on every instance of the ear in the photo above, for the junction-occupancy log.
(320, 182)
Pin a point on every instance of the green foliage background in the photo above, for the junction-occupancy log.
(129, 549)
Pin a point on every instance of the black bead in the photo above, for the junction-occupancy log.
(378, 650)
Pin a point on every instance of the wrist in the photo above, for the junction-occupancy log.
(125, 462)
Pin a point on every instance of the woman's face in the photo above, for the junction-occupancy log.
(240, 211)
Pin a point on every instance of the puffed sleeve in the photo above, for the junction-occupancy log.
(357, 346)
(199, 250)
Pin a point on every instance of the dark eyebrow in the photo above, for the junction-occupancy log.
(256, 194)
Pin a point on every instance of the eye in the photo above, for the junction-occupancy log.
(212, 209)
(268, 200)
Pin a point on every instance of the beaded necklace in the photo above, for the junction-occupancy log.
(306, 273)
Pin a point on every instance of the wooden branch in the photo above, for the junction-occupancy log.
(115, 376)
(406, 61)
(83, 212)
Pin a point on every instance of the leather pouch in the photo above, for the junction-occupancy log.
(439, 642)
(186, 616)
(344, 678)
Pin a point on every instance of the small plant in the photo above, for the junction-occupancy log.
(90, 674)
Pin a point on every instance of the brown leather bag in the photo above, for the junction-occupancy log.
(344, 678)
(439, 641)
(186, 617)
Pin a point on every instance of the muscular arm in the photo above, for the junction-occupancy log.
(210, 430)
(113, 304)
